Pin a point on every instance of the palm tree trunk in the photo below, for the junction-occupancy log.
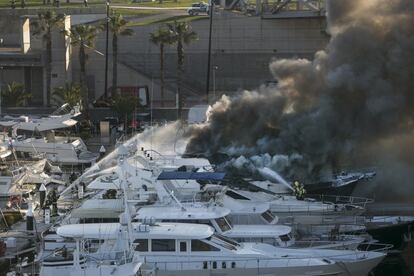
(179, 77)
(48, 66)
(114, 63)
(162, 72)
(85, 96)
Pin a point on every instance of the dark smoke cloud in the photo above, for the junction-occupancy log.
(357, 91)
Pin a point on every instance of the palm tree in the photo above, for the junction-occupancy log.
(14, 95)
(124, 105)
(83, 36)
(69, 93)
(161, 37)
(117, 26)
(47, 20)
(182, 35)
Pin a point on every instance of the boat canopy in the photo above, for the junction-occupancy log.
(191, 175)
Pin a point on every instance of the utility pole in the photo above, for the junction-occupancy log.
(106, 50)
(1, 85)
(1, 78)
(214, 82)
(211, 11)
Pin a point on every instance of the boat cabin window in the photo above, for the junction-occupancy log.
(98, 220)
(163, 245)
(195, 221)
(223, 223)
(236, 195)
(224, 241)
(183, 246)
(197, 245)
(268, 216)
(285, 238)
(141, 245)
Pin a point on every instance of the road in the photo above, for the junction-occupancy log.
(149, 8)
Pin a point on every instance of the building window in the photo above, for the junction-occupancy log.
(197, 245)
(142, 245)
(163, 245)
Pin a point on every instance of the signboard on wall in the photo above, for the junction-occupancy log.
(105, 132)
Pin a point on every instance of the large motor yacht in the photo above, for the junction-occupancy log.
(189, 249)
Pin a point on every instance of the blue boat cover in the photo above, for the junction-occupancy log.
(191, 175)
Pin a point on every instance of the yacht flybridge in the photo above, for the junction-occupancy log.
(83, 254)
(218, 218)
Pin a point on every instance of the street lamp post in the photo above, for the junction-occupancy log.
(106, 50)
(1, 77)
(1, 85)
(215, 68)
(211, 11)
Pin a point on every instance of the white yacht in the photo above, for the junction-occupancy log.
(190, 249)
(58, 149)
(20, 185)
(42, 140)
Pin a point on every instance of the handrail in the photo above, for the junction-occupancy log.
(352, 200)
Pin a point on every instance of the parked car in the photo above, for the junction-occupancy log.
(197, 8)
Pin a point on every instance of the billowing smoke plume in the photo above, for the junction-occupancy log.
(169, 139)
(355, 93)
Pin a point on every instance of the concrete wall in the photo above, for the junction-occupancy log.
(26, 62)
(242, 48)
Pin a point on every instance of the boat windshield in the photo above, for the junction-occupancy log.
(285, 238)
(224, 242)
(268, 216)
(224, 224)
(235, 195)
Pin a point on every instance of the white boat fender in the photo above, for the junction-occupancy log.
(42, 195)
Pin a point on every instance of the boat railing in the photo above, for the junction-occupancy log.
(113, 257)
(158, 157)
(351, 201)
(333, 227)
(339, 243)
(374, 246)
(325, 208)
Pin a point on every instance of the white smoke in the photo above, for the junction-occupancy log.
(168, 139)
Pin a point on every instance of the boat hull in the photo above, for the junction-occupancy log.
(356, 268)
